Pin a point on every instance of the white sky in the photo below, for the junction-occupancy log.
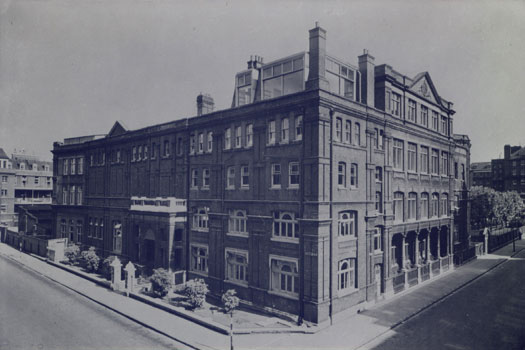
(72, 67)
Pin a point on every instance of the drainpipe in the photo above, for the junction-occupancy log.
(301, 236)
(331, 219)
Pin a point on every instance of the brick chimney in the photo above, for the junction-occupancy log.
(205, 104)
(506, 152)
(317, 52)
(366, 68)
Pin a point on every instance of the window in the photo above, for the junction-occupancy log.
(285, 130)
(346, 275)
(90, 229)
(3, 193)
(412, 205)
(72, 195)
(379, 202)
(456, 170)
(293, 175)
(271, 132)
(412, 157)
(347, 224)
(117, 236)
(424, 160)
(245, 176)
(357, 130)
(199, 259)
(341, 174)
(201, 142)
(37, 180)
(166, 148)
(424, 206)
(435, 162)
(4, 179)
(444, 163)
(378, 240)
(73, 166)
(65, 195)
(194, 178)
(381, 139)
(210, 141)
(338, 129)
(152, 153)
(348, 131)
(396, 104)
(412, 111)
(444, 125)
(139, 153)
(180, 144)
(284, 275)
(276, 175)
(398, 206)
(463, 172)
(145, 152)
(299, 128)
(134, 154)
(200, 219)
(236, 266)
(227, 138)
(379, 174)
(249, 135)
(3, 208)
(238, 137)
(444, 205)
(80, 166)
(353, 175)
(230, 177)
(79, 195)
(65, 170)
(398, 154)
(237, 222)
(424, 116)
(435, 120)
(192, 144)
(434, 205)
(206, 178)
(285, 225)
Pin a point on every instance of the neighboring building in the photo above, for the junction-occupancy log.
(34, 179)
(481, 174)
(461, 203)
(7, 191)
(326, 186)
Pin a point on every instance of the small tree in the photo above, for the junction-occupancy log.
(196, 291)
(161, 282)
(72, 252)
(91, 258)
(230, 300)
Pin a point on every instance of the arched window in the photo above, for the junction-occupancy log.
(285, 225)
(237, 222)
(200, 219)
(346, 275)
(284, 275)
(347, 224)
(341, 174)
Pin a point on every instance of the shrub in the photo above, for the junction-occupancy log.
(91, 258)
(72, 253)
(106, 266)
(161, 282)
(230, 300)
(196, 291)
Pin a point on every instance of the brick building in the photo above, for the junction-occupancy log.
(326, 186)
(481, 174)
(7, 190)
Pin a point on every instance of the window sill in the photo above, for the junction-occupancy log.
(205, 188)
(283, 239)
(347, 291)
(293, 296)
(275, 187)
(194, 188)
(238, 234)
(293, 187)
(230, 188)
(346, 238)
(245, 188)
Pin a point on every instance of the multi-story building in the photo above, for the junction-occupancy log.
(7, 191)
(326, 186)
(508, 174)
(34, 179)
(481, 174)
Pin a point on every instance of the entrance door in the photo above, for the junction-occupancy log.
(378, 280)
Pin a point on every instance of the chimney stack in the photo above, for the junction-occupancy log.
(317, 52)
(205, 104)
(506, 152)
(366, 68)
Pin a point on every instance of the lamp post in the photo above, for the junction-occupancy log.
(231, 329)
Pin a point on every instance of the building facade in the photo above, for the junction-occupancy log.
(326, 186)
(481, 174)
(7, 190)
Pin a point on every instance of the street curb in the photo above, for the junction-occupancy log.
(189, 344)
(426, 307)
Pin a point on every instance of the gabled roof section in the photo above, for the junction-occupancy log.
(520, 153)
(118, 129)
(3, 155)
(424, 87)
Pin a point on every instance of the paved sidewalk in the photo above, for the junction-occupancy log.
(350, 333)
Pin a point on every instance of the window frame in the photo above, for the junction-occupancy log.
(236, 268)
(292, 174)
(292, 276)
(284, 228)
(199, 264)
(347, 224)
(238, 223)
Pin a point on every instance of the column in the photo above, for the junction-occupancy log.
(439, 247)
(429, 261)
(419, 259)
(403, 259)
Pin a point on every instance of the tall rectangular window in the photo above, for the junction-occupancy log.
(299, 128)
(192, 144)
(348, 131)
(435, 121)
(276, 175)
(271, 132)
(245, 176)
(423, 205)
(412, 157)
(379, 201)
(201, 142)
(80, 166)
(396, 104)
(357, 130)
(194, 178)
(412, 111)
(284, 276)
(206, 178)
(230, 177)
(424, 160)
(434, 205)
(412, 205)
(199, 259)
(79, 195)
(435, 162)
(166, 148)
(398, 206)
(293, 175)
(353, 175)
(378, 240)
(398, 151)
(285, 130)
(249, 135)
(237, 222)
(444, 125)
(347, 224)
(227, 138)
(346, 275)
(341, 174)
(424, 116)
(145, 152)
(444, 163)
(338, 129)
(236, 266)
(66, 167)
(210, 141)
(238, 137)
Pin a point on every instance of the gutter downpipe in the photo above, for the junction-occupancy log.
(331, 219)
